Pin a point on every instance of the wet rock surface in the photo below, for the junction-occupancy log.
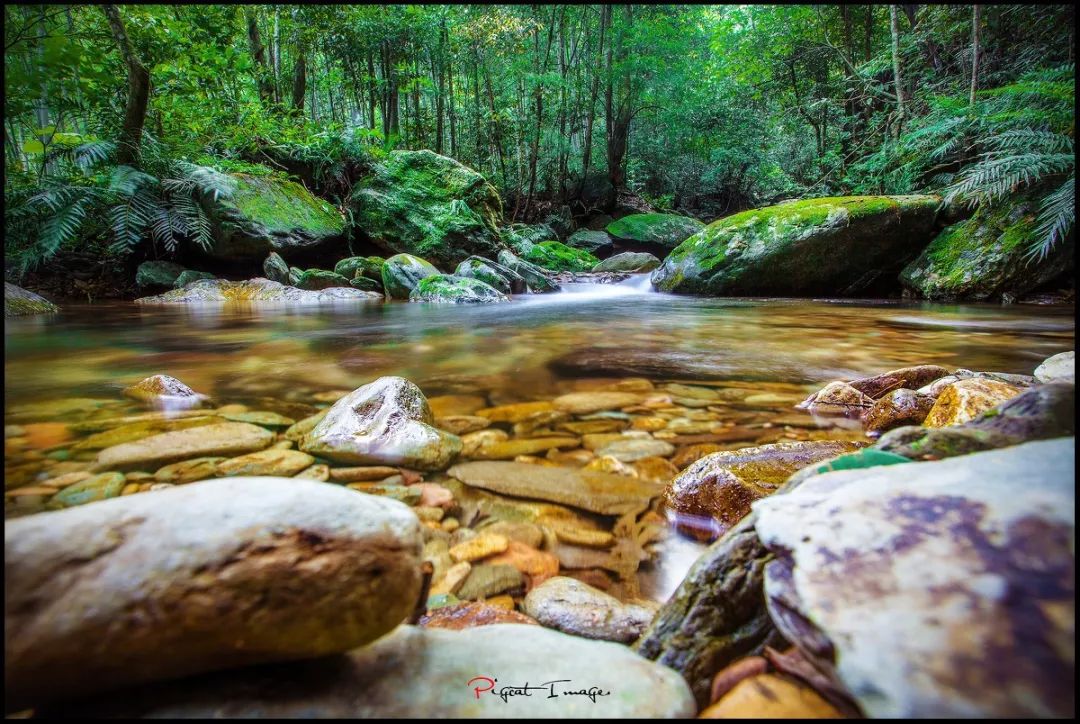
(576, 608)
(19, 301)
(255, 291)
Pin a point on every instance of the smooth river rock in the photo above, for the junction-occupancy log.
(386, 422)
(1059, 368)
(596, 492)
(577, 608)
(428, 673)
(200, 577)
(224, 439)
(164, 393)
(938, 588)
(19, 301)
(965, 400)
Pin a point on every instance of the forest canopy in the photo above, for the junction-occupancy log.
(114, 113)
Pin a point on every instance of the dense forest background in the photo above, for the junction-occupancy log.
(707, 110)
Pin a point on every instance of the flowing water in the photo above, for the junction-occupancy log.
(296, 360)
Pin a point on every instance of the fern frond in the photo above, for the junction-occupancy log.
(1056, 218)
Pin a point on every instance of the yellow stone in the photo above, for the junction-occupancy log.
(582, 403)
(769, 696)
(648, 424)
(504, 602)
(964, 400)
(482, 546)
(514, 413)
(453, 578)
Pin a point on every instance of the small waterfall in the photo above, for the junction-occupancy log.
(635, 284)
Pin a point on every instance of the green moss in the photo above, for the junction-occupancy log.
(665, 230)
(556, 256)
(450, 289)
(282, 206)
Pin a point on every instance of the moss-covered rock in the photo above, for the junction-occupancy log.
(402, 272)
(368, 285)
(628, 261)
(253, 290)
(536, 278)
(315, 279)
(594, 242)
(275, 268)
(260, 214)
(365, 266)
(493, 274)
(421, 203)
(451, 289)
(157, 274)
(983, 258)
(521, 237)
(656, 232)
(18, 301)
(556, 256)
(188, 276)
(837, 245)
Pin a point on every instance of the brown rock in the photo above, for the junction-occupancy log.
(361, 474)
(537, 565)
(582, 403)
(726, 679)
(509, 449)
(911, 378)
(470, 614)
(461, 424)
(482, 546)
(965, 400)
(837, 398)
(769, 696)
(514, 413)
(691, 453)
(189, 471)
(276, 462)
(448, 405)
(897, 408)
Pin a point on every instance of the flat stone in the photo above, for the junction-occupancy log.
(427, 673)
(98, 487)
(597, 492)
(386, 422)
(583, 403)
(471, 614)
(509, 449)
(451, 579)
(188, 471)
(576, 608)
(448, 405)
(361, 474)
(276, 463)
(514, 413)
(320, 472)
(630, 450)
(935, 587)
(260, 417)
(482, 546)
(225, 439)
(213, 573)
(487, 580)
(537, 565)
(1059, 368)
(461, 424)
(965, 400)
(139, 430)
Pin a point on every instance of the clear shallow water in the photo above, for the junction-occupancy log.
(535, 347)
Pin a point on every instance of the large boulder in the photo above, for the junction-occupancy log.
(260, 214)
(402, 272)
(369, 267)
(983, 258)
(503, 278)
(254, 291)
(386, 422)
(594, 242)
(19, 301)
(628, 261)
(276, 269)
(835, 246)
(317, 279)
(521, 237)
(421, 203)
(535, 278)
(556, 256)
(202, 577)
(934, 589)
(451, 289)
(157, 274)
(190, 275)
(657, 233)
(428, 673)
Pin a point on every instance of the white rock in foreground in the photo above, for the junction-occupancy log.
(1059, 368)
(201, 577)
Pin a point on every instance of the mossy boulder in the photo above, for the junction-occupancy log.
(157, 274)
(452, 289)
(421, 203)
(315, 279)
(654, 232)
(368, 285)
(493, 274)
(983, 258)
(402, 272)
(260, 214)
(190, 275)
(594, 242)
(536, 278)
(365, 266)
(521, 237)
(628, 261)
(836, 245)
(275, 268)
(253, 290)
(18, 301)
(556, 256)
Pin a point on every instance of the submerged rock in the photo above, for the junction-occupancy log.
(224, 439)
(1059, 368)
(450, 289)
(18, 301)
(716, 492)
(597, 492)
(935, 588)
(576, 608)
(386, 422)
(428, 673)
(850, 240)
(165, 393)
(157, 274)
(658, 233)
(218, 574)
(98, 487)
(262, 214)
(253, 290)
(983, 258)
(628, 261)
(402, 272)
(421, 203)
(556, 256)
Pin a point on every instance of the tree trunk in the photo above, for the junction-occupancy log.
(452, 107)
(299, 84)
(258, 53)
(897, 76)
(371, 89)
(586, 151)
(976, 16)
(127, 150)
